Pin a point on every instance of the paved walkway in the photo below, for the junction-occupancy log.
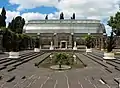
(88, 77)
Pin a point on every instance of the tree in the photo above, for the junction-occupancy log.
(7, 39)
(0, 21)
(114, 22)
(73, 16)
(110, 42)
(61, 15)
(89, 41)
(46, 18)
(62, 59)
(3, 18)
(17, 25)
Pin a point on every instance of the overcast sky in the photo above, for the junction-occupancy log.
(84, 9)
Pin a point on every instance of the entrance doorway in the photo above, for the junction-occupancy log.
(63, 44)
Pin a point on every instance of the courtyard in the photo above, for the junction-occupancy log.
(59, 53)
(23, 73)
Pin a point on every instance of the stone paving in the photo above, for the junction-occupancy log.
(88, 77)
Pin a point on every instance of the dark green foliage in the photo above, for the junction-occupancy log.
(110, 42)
(62, 59)
(17, 25)
(24, 41)
(14, 42)
(3, 18)
(7, 39)
(89, 41)
(73, 16)
(10, 40)
(46, 18)
(61, 15)
(13, 39)
(114, 22)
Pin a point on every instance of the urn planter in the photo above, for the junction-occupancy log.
(51, 48)
(109, 55)
(74, 48)
(14, 55)
(88, 50)
(36, 50)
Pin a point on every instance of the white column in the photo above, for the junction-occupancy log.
(66, 44)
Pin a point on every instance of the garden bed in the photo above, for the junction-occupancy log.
(70, 61)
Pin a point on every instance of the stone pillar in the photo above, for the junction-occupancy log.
(66, 45)
(102, 44)
(99, 42)
(70, 41)
(96, 44)
(55, 40)
(40, 41)
(72, 34)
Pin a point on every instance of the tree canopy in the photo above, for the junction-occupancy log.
(17, 25)
(46, 18)
(3, 18)
(73, 17)
(114, 22)
(110, 42)
(61, 15)
(89, 41)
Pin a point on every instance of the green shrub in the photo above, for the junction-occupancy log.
(89, 41)
(110, 42)
(62, 58)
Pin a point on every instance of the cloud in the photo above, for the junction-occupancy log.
(11, 14)
(33, 16)
(29, 4)
(108, 29)
(96, 9)
(90, 9)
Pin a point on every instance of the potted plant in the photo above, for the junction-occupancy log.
(37, 45)
(14, 51)
(89, 43)
(10, 43)
(110, 44)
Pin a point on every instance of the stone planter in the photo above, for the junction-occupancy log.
(14, 55)
(36, 50)
(109, 55)
(63, 67)
(51, 48)
(88, 50)
(74, 48)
